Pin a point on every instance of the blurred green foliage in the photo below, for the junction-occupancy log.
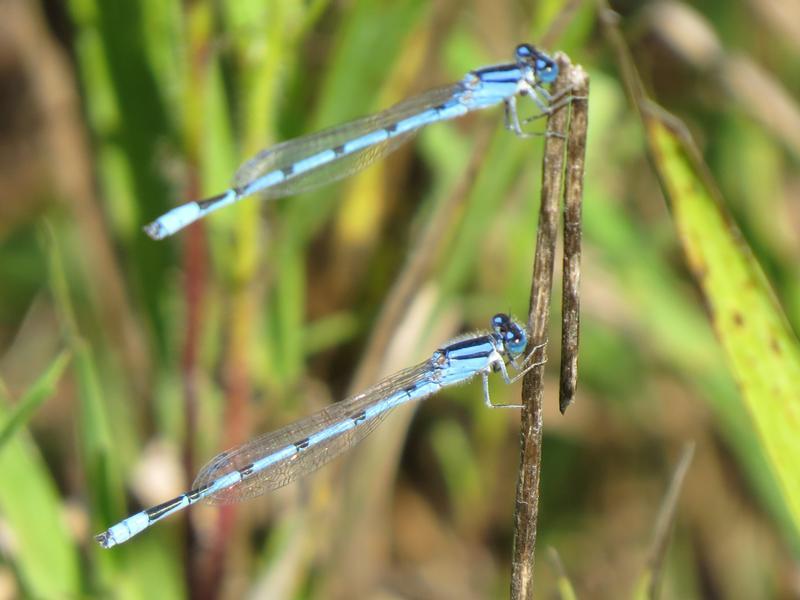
(263, 313)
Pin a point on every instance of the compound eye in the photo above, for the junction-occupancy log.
(546, 70)
(515, 341)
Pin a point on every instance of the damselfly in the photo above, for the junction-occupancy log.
(310, 161)
(278, 458)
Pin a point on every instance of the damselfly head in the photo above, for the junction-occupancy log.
(512, 334)
(544, 68)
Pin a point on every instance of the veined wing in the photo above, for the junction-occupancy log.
(348, 422)
(341, 163)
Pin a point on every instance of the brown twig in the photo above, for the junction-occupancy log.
(573, 201)
(527, 500)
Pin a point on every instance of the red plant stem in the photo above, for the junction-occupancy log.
(194, 260)
(239, 390)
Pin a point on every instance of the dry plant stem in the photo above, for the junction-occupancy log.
(527, 501)
(665, 521)
(573, 201)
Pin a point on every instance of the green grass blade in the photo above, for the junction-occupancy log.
(95, 434)
(761, 347)
(40, 548)
(40, 391)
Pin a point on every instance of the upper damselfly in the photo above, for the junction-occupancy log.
(307, 162)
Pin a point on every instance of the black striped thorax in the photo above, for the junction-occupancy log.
(481, 347)
(508, 73)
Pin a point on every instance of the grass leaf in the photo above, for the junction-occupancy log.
(761, 348)
(40, 391)
(39, 546)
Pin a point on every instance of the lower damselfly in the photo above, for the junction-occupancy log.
(278, 458)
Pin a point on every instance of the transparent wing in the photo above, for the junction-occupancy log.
(288, 153)
(314, 456)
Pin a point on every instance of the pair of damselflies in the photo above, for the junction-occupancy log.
(299, 165)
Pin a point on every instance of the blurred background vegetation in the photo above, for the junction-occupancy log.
(127, 363)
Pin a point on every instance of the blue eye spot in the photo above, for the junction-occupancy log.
(524, 51)
(500, 323)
